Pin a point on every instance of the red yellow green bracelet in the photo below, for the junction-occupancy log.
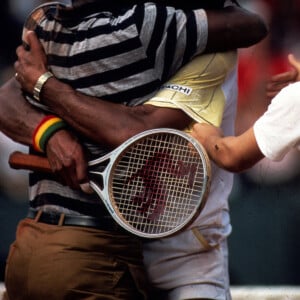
(46, 128)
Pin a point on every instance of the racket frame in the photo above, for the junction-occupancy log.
(106, 194)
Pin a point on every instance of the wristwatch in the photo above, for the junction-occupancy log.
(39, 85)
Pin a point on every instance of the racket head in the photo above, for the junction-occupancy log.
(157, 183)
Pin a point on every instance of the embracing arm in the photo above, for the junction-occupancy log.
(116, 122)
(232, 153)
(233, 27)
(110, 123)
(18, 121)
(99, 120)
(228, 28)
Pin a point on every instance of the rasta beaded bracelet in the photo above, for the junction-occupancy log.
(46, 128)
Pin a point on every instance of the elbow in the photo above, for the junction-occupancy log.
(230, 167)
(258, 31)
(234, 168)
(254, 27)
(263, 31)
(233, 164)
(249, 30)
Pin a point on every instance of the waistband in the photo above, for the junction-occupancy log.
(105, 223)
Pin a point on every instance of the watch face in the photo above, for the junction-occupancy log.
(39, 85)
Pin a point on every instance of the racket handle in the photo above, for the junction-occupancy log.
(20, 160)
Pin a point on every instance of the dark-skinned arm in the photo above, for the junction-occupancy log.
(120, 121)
(227, 29)
(123, 121)
(233, 27)
(18, 120)
(99, 120)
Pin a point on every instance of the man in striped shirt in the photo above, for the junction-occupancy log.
(121, 54)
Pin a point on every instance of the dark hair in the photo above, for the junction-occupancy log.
(117, 5)
(182, 4)
(206, 4)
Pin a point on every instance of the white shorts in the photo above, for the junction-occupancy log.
(189, 265)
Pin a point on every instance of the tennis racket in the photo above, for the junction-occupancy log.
(153, 185)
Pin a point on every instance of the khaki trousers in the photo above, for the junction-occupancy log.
(65, 262)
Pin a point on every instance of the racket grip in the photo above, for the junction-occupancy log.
(20, 160)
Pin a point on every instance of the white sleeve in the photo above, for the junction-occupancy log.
(278, 130)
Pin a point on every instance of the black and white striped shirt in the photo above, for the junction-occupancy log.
(122, 56)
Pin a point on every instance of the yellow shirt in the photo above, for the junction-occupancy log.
(197, 88)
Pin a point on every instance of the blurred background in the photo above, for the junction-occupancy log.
(265, 201)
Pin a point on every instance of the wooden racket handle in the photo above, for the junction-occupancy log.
(20, 160)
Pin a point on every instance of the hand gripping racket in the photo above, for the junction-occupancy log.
(153, 185)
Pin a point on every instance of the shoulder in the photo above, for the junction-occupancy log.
(292, 89)
(287, 99)
(40, 13)
(170, 12)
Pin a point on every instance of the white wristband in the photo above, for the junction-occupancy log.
(39, 85)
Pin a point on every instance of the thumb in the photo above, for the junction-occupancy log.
(32, 41)
(294, 62)
(25, 40)
(86, 188)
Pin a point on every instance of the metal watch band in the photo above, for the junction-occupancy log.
(39, 85)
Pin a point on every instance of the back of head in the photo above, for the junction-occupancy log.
(206, 4)
(179, 4)
(182, 4)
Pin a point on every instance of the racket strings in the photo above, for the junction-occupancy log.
(158, 183)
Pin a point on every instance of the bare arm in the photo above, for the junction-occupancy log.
(97, 119)
(235, 154)
(227, 28)
(232, 28)
(239, 153)
(110, 123)
(18, 120)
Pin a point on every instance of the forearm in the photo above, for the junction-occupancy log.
(235, 154)
(220, 152)
(234, 28)
(18, 119)
(106, 122)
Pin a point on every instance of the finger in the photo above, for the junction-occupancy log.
(18, 75)
(61, 171)
(70, 175)
(86, 188)
(276, 88)
(288, 76)
(193, 134)
(26, 46)
(82, 176)
(67, 177)
(16, 65)
(271, 95)
(19, 51)
(294, 62)
(33, 41)
(196, 127)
